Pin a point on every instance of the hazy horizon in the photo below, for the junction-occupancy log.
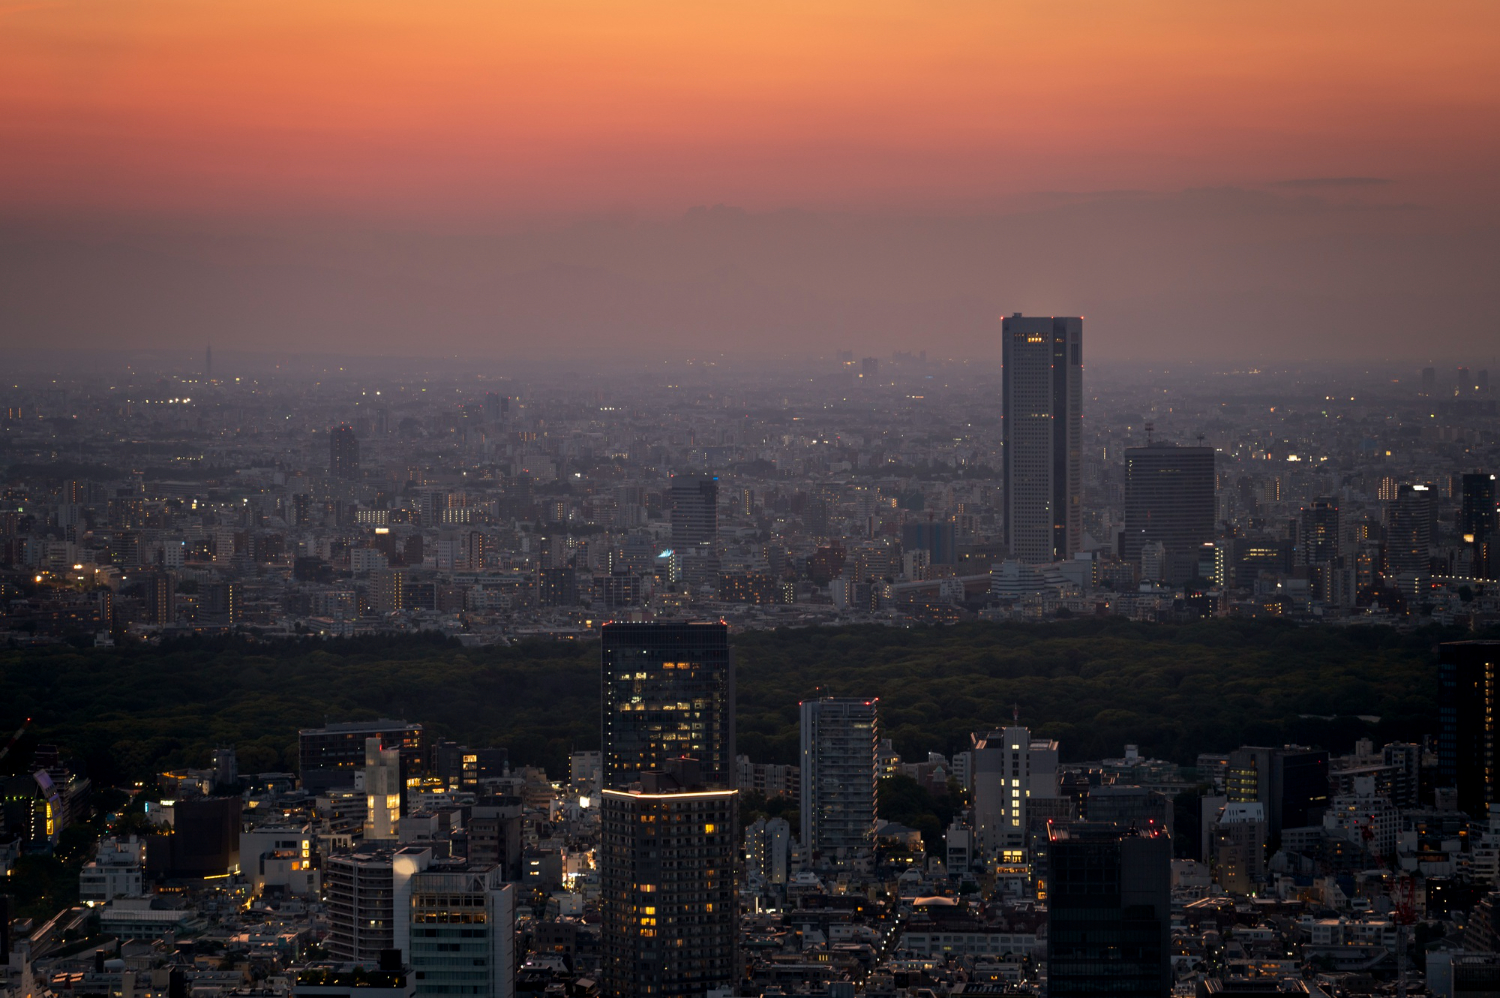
(1209, 182)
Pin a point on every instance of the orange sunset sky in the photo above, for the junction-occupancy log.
(330, 172)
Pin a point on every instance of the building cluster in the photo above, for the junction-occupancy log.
(668, 864)
(899, 490)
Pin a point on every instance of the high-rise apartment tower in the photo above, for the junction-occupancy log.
(343, 452)
(840, 772)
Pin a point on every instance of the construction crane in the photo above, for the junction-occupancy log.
(14, 738)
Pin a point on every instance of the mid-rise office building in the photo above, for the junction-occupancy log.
(114, 872)
(840, 773)
(668, 887)
(668, 693)
(1010, 769)
(1042, 433)
(768, 849)
(1170, 500)
(495, 836)
(458, 931)
(328, 757)
(1291, 782)
(343, 453)
(1110, 901)
(1239, 847)
(1467, 703)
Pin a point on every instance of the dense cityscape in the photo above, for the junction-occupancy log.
(139, 507)
(794, 499)
(156, 509)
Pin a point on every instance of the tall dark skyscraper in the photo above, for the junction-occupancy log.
(1318, 533)
(496, 407)
(343, 452)
(695, 512)
(1169, 498)
(1042, 432)
(1478, 522)
(1467, 702)
(668, 692)
(1409, 536)
(1110, 903)
(668, 811)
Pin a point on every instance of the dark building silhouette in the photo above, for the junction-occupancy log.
(1260, 552)
(1466, 708)
(695, 512)
(557, 587)
(1042, 432)
(343, 452)
(1110, 902)
(1408, 536)
(1318, 535)
(160, 598)
(1291, 782)
(221, 603)
(1477, 524)
(496, 407)
(668, 692)
(939, 538)
(495, 835)
(328, 756)
(205, 838)
(1169, 498)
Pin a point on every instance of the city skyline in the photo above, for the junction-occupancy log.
(840, 499)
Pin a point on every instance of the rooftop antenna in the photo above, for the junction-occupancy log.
(1200, 438)
(1015, 712)
(1150, 428)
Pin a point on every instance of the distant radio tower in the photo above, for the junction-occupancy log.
(208, 363)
